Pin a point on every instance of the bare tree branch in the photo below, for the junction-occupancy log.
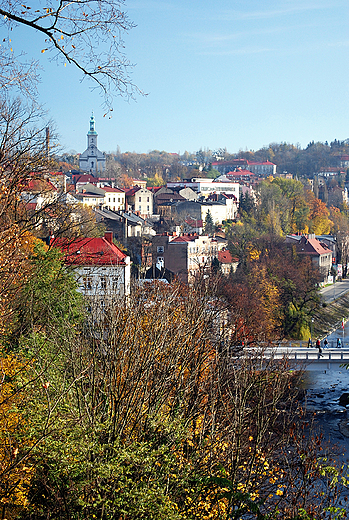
(87, 34)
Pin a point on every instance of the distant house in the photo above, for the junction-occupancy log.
(193, 226)
(227, 263)
(114, 199)
(239, 175)
(261, 168)
(221, 206)
(185, 255)
(91, 199)
(125, 224)
(319, 253)
(83, 178)
(345, 161)
(140, 200)
(101, 268)
(40, 192)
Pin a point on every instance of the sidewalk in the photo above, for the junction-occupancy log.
(334, 291)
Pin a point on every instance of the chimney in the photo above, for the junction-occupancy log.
(108, 235)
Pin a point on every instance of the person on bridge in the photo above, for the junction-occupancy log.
(339, 343)
(310, 343)
(318, 345)
(325, 343)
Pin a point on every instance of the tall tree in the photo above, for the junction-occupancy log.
(209, 224)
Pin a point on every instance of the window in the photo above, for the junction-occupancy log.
(140, 199)
(114, 199)
(115, 283)
(103, 283)
(147, 199)
(139, 208)
(148, 209)
(160, 249)
(87, 281)
(118, 199)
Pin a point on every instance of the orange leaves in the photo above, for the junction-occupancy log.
(15, 472)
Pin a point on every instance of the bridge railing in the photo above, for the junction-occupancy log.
(332, 343)
(311, 354)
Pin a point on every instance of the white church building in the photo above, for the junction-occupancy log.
(92, 160)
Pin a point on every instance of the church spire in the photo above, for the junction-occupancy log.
(92, 130)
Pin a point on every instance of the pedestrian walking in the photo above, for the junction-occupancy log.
(310, 343)
(325, 343)
(339, 343)
(318, 346)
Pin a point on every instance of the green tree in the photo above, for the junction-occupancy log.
(209, 224)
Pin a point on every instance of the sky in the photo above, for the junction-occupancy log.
(235, 74)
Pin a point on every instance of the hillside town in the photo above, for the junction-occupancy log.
(174, 284)
(182, 227)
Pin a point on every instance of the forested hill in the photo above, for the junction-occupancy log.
(161, 166)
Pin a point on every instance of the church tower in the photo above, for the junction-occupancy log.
(92, 160)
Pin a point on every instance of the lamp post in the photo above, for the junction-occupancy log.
(311, 329)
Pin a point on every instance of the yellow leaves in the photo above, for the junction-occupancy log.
(16, 474)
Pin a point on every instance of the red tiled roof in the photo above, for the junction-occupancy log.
(83, 177)
(312, 246)
(184, 239)
(90, 251)
(40, 185)
(264, 163)
(116, 190)
(225, 257)
(329, 169)
(194, 223)
(132, 191)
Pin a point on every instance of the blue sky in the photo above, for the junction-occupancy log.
(234, 74)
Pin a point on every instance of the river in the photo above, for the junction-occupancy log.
(324, 389)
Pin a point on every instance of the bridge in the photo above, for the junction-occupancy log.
(310, 358)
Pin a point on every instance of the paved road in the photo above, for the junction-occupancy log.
(331, 292)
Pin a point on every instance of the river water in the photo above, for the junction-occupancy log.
(324, 389)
